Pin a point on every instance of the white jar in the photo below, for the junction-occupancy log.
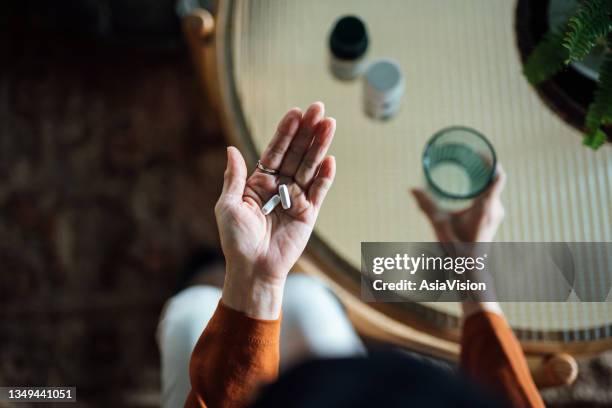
(383, 88)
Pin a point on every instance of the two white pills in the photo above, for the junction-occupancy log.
(282, 198)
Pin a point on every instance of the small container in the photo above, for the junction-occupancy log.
(459, 164)
(383, 89)
(348, 44)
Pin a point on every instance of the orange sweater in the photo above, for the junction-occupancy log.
(235, 354)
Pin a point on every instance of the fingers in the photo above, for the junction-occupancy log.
(493, 193)
(234, 178)
(303, 139)
(288, 126)
(322, 182)
(425, 203)
(437, 218)
(324, 134)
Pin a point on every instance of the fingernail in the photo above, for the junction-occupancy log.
(321, 106)
(327, 125)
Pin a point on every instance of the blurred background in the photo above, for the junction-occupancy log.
(110, 165)
(107, 156)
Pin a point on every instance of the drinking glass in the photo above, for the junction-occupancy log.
(459, 164)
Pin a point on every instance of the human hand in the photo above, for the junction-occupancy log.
(477, 223)
(260, 250)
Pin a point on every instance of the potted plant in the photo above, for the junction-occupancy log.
(566, 47)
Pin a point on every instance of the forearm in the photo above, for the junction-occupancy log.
(480, 301)
(492, 356)
(239, 349)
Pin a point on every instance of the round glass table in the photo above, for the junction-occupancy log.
(461, 67)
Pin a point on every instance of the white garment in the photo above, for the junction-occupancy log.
(314, 325)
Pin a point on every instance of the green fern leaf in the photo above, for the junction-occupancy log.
(547, 58)
(600, 110)
(595, 140)
(586, 27)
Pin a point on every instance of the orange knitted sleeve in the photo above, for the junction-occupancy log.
(234, 355)
(493, 357)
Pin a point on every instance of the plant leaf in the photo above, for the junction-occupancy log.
(547, 58)
(595, 140)
(600, 110)
(586, 27)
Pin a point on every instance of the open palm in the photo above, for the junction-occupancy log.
(269, 245)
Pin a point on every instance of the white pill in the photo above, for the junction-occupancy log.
(271, 204)
(283, 191)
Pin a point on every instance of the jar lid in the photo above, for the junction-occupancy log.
(384, 76)
(349, 39)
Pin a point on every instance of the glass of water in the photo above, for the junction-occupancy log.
(459, 164)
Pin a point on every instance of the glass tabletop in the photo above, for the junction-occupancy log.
(461, 67)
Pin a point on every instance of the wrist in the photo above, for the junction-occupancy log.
(253, 292)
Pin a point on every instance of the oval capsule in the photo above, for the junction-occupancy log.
(285, 198)
(271, 204)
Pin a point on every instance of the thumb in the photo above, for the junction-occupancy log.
(496, 187)
(425, 203)
(234, 178)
